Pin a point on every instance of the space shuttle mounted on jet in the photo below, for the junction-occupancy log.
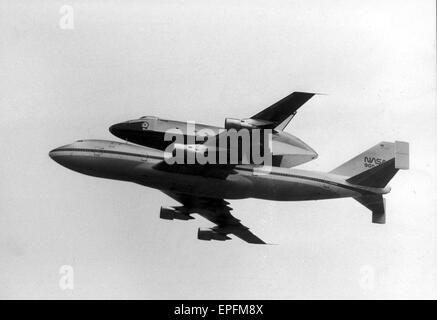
(204, 189)
(287, 150)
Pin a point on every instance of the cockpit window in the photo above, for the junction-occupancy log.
(142, 119)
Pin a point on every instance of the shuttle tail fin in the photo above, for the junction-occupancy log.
(281, 113)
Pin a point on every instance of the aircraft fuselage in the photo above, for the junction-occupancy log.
(126, 162)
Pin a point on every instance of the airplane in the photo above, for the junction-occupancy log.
(287, 150)
(204, 189)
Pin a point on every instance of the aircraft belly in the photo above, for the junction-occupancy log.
(240, 186)
(232, 187)
(296, 190)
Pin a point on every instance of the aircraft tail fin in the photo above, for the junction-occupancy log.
(376, 177)
(376, 166)
(281, 113)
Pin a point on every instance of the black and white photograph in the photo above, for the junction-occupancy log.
(218, 150)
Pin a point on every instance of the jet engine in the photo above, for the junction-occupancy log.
(238, 124)
(170, 213)
(208, 235)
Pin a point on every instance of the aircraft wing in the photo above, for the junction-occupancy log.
(218, 212)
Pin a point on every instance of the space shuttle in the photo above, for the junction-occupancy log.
(287, 150)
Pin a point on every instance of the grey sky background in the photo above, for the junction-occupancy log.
(204, 61)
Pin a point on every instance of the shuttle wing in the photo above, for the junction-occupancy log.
(218, 212)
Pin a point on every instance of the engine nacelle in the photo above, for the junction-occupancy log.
(238, 124)
(170, 213)
(208, 235)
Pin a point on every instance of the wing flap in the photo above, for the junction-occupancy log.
(241, 232)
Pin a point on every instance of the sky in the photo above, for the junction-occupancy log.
(61, 81)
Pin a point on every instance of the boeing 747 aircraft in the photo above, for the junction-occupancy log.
(202, 189)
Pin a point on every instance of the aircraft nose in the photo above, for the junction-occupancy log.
(55, 154)
(52, 154)
(58, 153)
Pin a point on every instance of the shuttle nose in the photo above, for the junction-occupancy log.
(114, 129)
(127, 130)
(119, 129)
